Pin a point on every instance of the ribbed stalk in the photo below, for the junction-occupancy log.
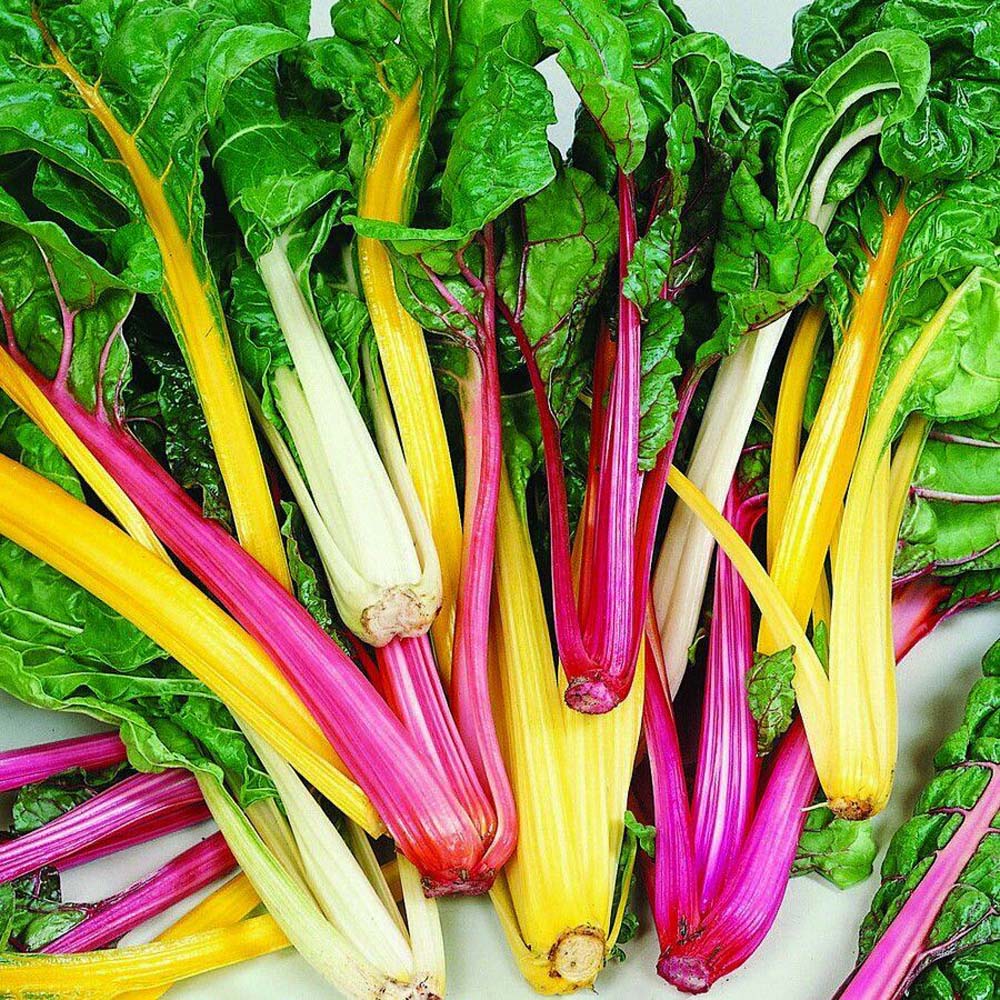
(192, 303)
(175, 614)
(28, 765)
(556, 896)
(787, 437)
(114, 917)
(377, 594)
(856, 769)
(817, 493)
(102, 974)
(404, 357)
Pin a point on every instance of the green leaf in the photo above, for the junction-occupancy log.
(764, 266)
(841, 851)
(558, 250)
(703, 77)
(889, 69)
(38, 804)
(660, 368)
(771, 696)
(499, 151)
(32, 912)
(592, 46)
(953, 827)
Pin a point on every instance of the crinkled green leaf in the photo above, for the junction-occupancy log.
(660, 368)
(703, 77)
(891, 68)
(593, 47)
(839, 850)
(32, 911)
(764, 266)
(559, 246)
(771, 696)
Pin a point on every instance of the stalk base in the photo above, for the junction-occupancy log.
(578, 955)
(400, 612)
(462, 884)
(851, 809)
(687, 973)
(591, 696)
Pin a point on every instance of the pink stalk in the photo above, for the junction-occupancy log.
(752, 893)
(151, 828)
(28, 765)
(752, 890)
(470, 691)
(112, 918)
(904, 950)
(423, 815)
(612, 628)
(131, 801)
(725, 785)
(672, 878)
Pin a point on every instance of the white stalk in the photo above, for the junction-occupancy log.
(350, 487)
(320, 943)
(337, 881)
(682, 565)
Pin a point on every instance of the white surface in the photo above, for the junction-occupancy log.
(812, 944)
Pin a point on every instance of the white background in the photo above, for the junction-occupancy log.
(812, 944)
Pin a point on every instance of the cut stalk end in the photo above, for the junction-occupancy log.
(461, 884)
(578, 955)
(687, 973)
(399, 612)
(591, 696)
(844, 807)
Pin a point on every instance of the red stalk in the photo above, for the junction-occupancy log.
(179, 878)
(28, 765)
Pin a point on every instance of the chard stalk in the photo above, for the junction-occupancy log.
(403, 352)
(321, 941)
(815, 502)
(375, 570)
(425, 816)
(856, 767)
(128, 802)
(115, 916)
(227, 906)
(192, 303)
(725, 784)
(28, 765)
(905, 949)
(555, 897)
(176, 615)
(101, 974)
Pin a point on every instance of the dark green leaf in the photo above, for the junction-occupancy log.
(771, 695)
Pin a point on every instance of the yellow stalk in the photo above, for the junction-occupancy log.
(89, 549)
(570, 775)
(228, 905)
(788, 420)
(814, 502)
(18, 385)
(98, 975)
(811, 687)
(857, 776)
(904, 465)
(404, 357)
(195, 312)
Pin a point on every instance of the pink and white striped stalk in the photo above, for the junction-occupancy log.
(113, 917)
(135, 800)
(28, 765)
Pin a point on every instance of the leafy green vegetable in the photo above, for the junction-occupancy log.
(32, 912)
(771, 696)
(841, 851)
(35, 805)
(942, 864)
